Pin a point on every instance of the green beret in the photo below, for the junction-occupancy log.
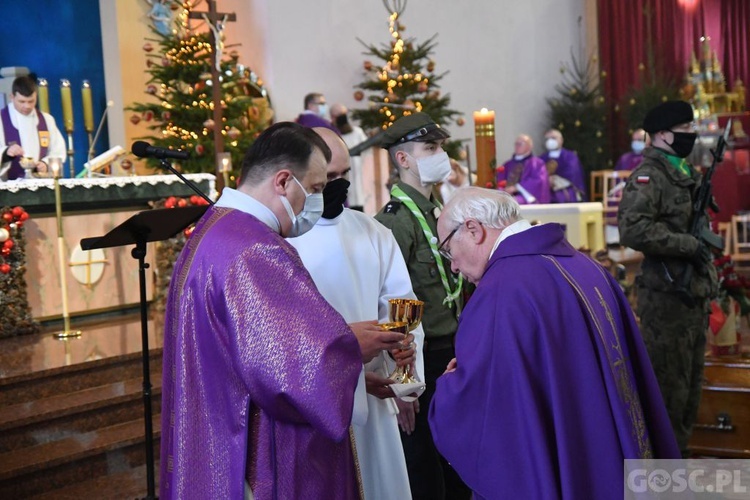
(416, 127)
(666, 115)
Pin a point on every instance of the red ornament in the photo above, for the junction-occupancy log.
(431, 66)
(166, 116)
(164, 61)
(148, 115)
(8, 244)
(500, 168)
(19, 224)
(368, 65)
(359, 95)
(182, 202)
(502, 183)
(148, 47)
(149, 63)
(5, 251)
(489, 185)
(4, 268)
(422, 87)
(170, 202)
(188, 231)
(151, 89)
(194, 199)
(200, 149)
(460, 122)
(17, 211)
(233, 133)
(7, 216)
(135, 119)
(24, 216)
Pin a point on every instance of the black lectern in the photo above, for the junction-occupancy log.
(143, 227)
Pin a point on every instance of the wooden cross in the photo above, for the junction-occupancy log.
(88, 263)
(213, 18)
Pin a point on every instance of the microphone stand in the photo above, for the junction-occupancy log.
(168, 166)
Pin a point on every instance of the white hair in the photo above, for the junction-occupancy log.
(491, 207)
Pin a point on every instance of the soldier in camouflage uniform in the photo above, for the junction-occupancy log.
(414, 145)
(654, 217)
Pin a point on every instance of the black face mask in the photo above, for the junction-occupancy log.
(683, 143)
(334, 196)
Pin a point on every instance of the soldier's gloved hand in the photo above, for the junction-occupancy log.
(703, 254)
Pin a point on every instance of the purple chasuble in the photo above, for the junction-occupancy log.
(259, 371)
(569, 167)
(554, 388)
(311, 120)
(531, 173)
(629, 161)
(12, 136)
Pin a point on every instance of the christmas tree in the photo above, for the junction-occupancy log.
(16, 311)
(403, 82)
(180, 110)
(579, 112)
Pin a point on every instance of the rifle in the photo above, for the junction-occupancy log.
(699, 226)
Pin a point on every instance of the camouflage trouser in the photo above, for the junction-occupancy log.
(675, 337)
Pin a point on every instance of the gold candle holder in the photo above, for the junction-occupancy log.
(484, 132)
(224, 161)
(67, 332)
(88, 111)
(43, 95)
(67, 106)
(409, 312)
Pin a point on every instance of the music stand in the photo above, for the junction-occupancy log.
(143, 227)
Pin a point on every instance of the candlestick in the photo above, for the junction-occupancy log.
(224, 161)
(67, 105)
(88, 109)
(43, 95)
(55, 165)
(484, 131)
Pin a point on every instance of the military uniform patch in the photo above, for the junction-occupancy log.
(392, 207)
(643, 179)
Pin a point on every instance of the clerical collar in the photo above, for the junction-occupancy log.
(231, 198)
(555, 154)
(17, 117)
(521, 157)
(515, 228)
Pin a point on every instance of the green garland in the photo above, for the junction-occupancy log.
(16, 313)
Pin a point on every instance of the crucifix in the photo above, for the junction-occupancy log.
(216, 22)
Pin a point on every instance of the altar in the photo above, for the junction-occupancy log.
(98, 280)
(583, 222)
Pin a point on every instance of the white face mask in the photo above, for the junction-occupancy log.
(310, 214)
(638, 146)
(434, 168)
(323, 111)
(552, 144)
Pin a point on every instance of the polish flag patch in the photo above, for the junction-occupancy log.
(643, 179)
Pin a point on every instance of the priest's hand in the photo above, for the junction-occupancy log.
(405, 355)
(41, 168)
(378, 386)
(451, 366)
(373, 339)
(407, 415)
(14, 150)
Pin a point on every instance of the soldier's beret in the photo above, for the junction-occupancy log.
(416, 127)
(666, 115)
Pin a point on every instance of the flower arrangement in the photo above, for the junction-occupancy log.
(732, 285)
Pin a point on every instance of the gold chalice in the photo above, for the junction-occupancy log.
(28, 163)
(408, 311)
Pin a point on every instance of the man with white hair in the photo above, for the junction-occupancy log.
(524, 175)
(551, 376)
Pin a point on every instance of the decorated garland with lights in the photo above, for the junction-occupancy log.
(16, 313)
(167, 251)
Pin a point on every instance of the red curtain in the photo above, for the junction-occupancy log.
(674, 28)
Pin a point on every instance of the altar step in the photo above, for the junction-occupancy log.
(66, 427)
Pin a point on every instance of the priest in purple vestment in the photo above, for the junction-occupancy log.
(525, 175)
(551, 388)
(564, 170)
(259, 370)
(634, 157)
(315, 113)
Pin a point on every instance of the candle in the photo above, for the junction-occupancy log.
(67, 105)
(88, 110)
(484, 131)
(43, 95)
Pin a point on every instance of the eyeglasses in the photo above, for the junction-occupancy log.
(421, 132)
(447, 253)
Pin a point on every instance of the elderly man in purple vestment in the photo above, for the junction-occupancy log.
(551, 388)
(564, 170)
(315, 113)
(259, 370)
(525, 175)
(634, 157)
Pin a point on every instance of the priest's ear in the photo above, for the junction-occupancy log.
(281, 180)
(475, 231)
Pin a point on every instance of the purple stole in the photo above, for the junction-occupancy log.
(13, 137)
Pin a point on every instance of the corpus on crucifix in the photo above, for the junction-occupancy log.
(216, 22)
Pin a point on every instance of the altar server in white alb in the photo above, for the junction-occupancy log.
(26, 133)
(357, 266)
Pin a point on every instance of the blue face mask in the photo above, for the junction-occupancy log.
(323, 110)
(310, 214)
(638, 146)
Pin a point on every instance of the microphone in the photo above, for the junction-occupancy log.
(143, 149)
